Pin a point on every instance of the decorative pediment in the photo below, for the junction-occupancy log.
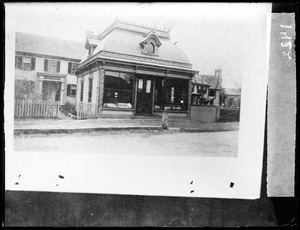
(150, 43)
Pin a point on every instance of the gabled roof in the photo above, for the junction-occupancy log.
(211, 80)
(149, 36)
(36, 44)
(232, 91)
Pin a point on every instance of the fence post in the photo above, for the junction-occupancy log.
(23, 107)
(27, 108)
(57, 108)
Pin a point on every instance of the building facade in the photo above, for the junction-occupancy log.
(231, 98)
(130, 70)
(45, 68)
(207, 89)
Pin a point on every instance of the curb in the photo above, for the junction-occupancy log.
(193, 130)
(83, 130)
(88, 130)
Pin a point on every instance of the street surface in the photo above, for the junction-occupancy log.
(154, 142)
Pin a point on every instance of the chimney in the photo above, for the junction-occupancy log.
(218, 72)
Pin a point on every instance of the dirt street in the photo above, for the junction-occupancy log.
(214, 144)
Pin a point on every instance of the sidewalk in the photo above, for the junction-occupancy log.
(48, 126)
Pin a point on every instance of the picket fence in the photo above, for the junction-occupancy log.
(86, 110)
(35, 108)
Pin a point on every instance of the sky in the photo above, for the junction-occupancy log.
(213, 35)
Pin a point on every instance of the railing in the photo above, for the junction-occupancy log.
(35, 108)
(86, 110)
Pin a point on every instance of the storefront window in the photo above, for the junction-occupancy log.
(118, 90)
(171, 94)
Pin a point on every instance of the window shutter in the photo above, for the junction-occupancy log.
(32, 63)
(16, 62)
(68, 90)
(70, 68)
(19, 62)
(58, 67)
(45, 64)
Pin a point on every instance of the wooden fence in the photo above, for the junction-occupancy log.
(227, 115)
(35, 108)
(86, 110)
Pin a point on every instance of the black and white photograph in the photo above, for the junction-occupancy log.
(143, 99)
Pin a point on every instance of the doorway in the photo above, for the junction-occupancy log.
(51, 91)
(144, 95)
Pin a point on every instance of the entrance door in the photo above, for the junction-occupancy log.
(144, 95)
(51, 90)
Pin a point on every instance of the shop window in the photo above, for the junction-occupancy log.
(51, 66)
(72, 66)
(171, 94)
(71, 90)
(118, 90)
(25, 63)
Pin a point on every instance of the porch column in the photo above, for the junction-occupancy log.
(190, 97)
(78, 90)
(101, 73)
(153, 96)
(86, 84)
(62, 92)
(41, 79)
(95, 94)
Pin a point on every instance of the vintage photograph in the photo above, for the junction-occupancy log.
(148, 114)
(118, 98)
(120, 82)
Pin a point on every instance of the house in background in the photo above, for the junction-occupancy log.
(45, 68)
(133, 70)
(231, 98)
(207, 89)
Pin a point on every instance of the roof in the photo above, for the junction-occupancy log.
(232, 91)
(127, 42)
(37, 44)
(211, 80)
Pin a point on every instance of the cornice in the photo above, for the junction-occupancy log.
(46, 56)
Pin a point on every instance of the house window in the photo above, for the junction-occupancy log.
(71, 90)
(25, 63)
(91, 50)
(90, 89)
(118, 90)
(151, 48)
(171, 94)
(51, 66)
(72, 67)
(212, 93)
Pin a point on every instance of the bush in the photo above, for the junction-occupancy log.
(68, 109)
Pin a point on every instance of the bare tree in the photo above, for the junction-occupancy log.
(237, 84)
